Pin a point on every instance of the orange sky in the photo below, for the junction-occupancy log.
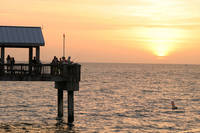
(127, 31)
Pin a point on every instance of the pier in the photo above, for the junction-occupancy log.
(66, 75)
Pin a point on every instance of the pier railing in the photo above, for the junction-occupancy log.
(48, 72)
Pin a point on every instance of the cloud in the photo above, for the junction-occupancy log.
(110, 2)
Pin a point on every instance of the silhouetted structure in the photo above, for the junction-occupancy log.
(67, 76)
(173, 105)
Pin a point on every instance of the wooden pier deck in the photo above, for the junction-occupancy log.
(40, 72)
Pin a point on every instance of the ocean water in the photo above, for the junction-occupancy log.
(112, 98)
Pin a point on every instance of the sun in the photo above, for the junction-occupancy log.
(161, 41)
(161, 49)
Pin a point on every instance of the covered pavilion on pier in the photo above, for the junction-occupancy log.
(66, 78)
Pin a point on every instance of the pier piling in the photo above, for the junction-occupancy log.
(70, 107)
(60, 103)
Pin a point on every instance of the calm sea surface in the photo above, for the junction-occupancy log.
(112, 98)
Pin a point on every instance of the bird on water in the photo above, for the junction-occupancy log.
(173, 106)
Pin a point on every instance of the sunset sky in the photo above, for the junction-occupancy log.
(125, 31)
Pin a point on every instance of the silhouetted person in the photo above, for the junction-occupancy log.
(34, 61)
(12, 62)
(54, 63)
(69, 60)
(173, 106)
(63, 61)
(8, 59)
(34, 65)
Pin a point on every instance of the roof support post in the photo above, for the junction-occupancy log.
(30, 59)
(2, 54)
(38, 54)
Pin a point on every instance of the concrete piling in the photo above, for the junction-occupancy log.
(70, 107)
(60, 103)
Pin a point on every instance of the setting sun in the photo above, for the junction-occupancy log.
(161, 50)
(161, 41)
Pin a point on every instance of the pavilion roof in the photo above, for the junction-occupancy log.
(21, 36)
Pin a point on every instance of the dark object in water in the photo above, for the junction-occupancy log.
(173, 106)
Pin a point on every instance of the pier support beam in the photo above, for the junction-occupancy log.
(2, 54)
(30, 59)
(60, 103)
(38, 54)
(70, 83)
(70, 107)
(30, 54)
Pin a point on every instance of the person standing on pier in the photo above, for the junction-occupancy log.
(69, 60)
(34, 64)
(8, 59)
(63, 61)
(12, 62)
(54, 68)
